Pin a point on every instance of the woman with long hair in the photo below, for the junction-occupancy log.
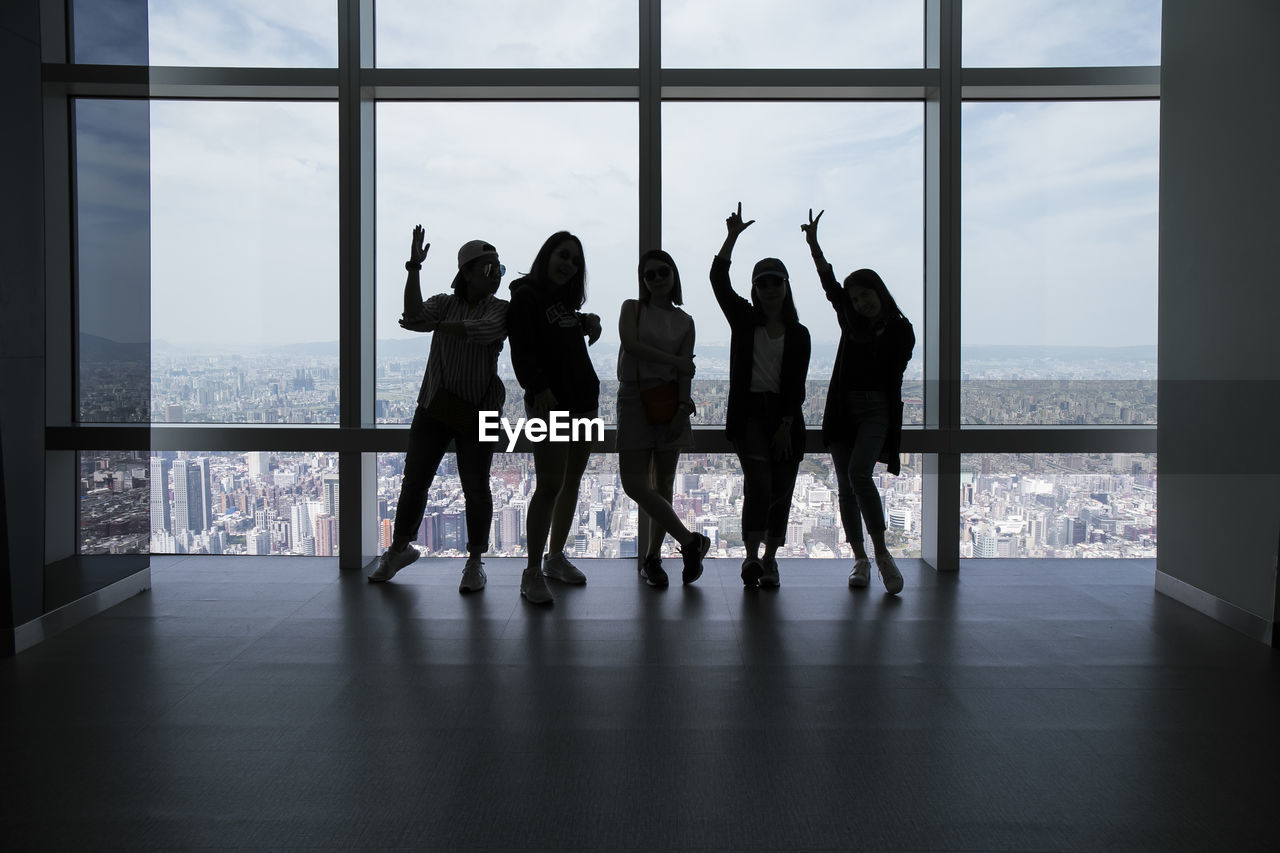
(550, 358)
(768, 363)
(461, 379)
(862, 422)
(655, 369)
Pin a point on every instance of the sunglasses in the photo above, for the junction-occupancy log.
(655, 273)
(491, 269)
(770, 281)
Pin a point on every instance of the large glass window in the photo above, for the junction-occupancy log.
(1058, 505)
(1059, 232)
(861, 162)
(1037, 33)
(255, 503)
(797, 34)
(112, 183)
(244, 262)
(507, 34)
(511, 174)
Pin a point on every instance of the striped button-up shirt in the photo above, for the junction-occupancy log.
(466, 366)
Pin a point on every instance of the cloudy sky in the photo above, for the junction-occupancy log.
(1059, 199)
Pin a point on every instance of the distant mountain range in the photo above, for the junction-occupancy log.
(94, 348)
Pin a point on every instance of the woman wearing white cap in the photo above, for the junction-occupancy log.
(768, 364)
(461, 379)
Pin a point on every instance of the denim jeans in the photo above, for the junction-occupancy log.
(428, 440)
(767, 483)
(866, 425)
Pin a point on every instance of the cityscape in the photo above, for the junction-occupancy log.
(1023, 505)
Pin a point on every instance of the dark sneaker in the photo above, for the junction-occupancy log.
(558, 568)
(752, 569)
(693, 555)
(391, 562)
(473, 576)
(652, 572)
(769, 578)
(533, 586)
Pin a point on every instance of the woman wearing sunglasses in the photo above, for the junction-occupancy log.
(461, 379)
(552, 365)
(768, 364)
(862, 421)
(655, 368)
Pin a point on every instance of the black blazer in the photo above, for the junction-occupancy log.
(743, 320)
(878, 363)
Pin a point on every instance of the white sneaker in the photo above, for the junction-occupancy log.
(861, 574)
(533, 586)
(391, 562)
(558, 568)
(889, 573)
(473, 576)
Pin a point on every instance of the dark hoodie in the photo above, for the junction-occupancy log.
(548, 348)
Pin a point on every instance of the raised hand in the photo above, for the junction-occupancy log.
(734, 223)
(418, 249)
(811, 230)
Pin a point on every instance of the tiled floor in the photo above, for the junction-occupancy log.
(280, 703)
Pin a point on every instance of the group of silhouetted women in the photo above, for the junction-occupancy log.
(549, 335)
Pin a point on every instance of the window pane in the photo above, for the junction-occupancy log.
(707, 496)
(113, 215)
(862, 162)
(114, 496)
(244, 503)
(798, 34)
(1058, 505)
(507, 34)
(244, 33)
(511, 174)
(1048, 33)
(109, 32)
(244, 261)
(1059, 258)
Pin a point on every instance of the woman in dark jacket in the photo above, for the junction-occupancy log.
(862, 422)
(768, 363)
(550, 358)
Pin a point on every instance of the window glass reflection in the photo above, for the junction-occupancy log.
(113, 213)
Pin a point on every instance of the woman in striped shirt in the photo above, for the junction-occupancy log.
(461, 380)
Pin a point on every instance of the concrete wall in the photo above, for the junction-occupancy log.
(1219, 434)
(22, 313)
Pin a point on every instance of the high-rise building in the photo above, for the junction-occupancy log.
(160, 520)
(205, 492)
(330, 493)
(188, 505)
(326, 535)
(259, 463)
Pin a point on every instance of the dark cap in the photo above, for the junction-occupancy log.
(474, 249)
(768, 266)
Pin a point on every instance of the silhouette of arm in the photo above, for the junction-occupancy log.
(735, 308)
(686, 379)
(489, 327)
(830, 286)
(412, 317)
